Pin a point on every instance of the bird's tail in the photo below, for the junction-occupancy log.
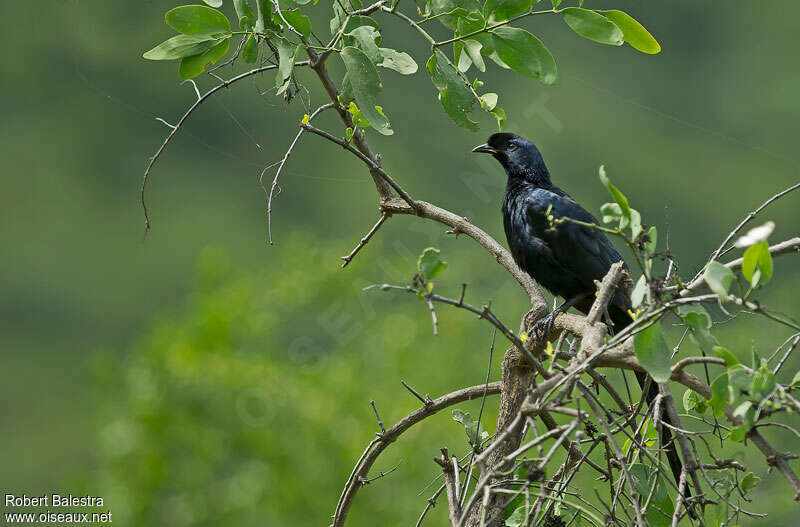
(620, 320)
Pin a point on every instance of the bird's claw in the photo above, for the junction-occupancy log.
(542, 328)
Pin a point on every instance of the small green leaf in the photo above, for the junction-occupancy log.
(611, 212)
(693, 401)
(366, 84)
(473, 51)
(366, 38)
(652, 236)
(398, 61)
(525, 54)
(639, 291)
(197, 20)
(719, 278)
(757, 257)
(633, 32)
(287, 53)
(489, 101)
(244, 13)
(593, 26)
(699, 323)
(619, 197)
(739, 432)
(723, 353)
(214, 3)
(749, 482)
(455, 95)
(181, 46)
(471, 427)
(763, 383)
(429, 265)
(653, 353)
(250, 50)
(719, 391)
(296, 19)
(193, 66)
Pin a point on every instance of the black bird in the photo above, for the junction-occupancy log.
(566, 258)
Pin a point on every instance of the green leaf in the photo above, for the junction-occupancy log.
(366, 38)
(699, 323)
(473, 51)
(197, 20)
(636, 224)
(429, 265)
(719, 278)
(719, 398)
(739, 432)
(593, 26)
(398, 61)
(193, 66)
(633, 32)
(693, 401)
(287, 52)
(489, 101)
(653, 353)
(619, 197)
(611, 212)
(502, 10)
(652, 243)
(214, 3)
(639, 291)
(244, 14)
(250, 50)
(455, 95)
(757, 257)
(366, 84)
(471, 427)
(763, 383)
(457, 9)
(749, 482)
(296, 19)
(525, 54)
(181, 46)
(723, 353)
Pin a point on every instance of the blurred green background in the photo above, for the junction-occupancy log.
(203, 378)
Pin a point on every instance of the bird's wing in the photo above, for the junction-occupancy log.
(584, 251)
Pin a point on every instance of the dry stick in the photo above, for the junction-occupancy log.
(379, 444)
(347, 259)
(200, 100)
(283, 164)
(617, 453)
(689, 462)
(451, 485)
(430, 505)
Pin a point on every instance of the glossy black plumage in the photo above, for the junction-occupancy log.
(566, 258)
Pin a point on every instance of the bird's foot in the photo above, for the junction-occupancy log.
(542, 328)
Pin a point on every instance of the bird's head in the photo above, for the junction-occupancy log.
(518, 156)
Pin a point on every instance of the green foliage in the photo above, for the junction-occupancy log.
(475, 432)
(757, 264)
(478, 30)
(212, 400)
(366, 84)
(719, 278)
(633, 32)
(525, 54)
(653, 353)
(194, 65)
(197, 20)
(181, 46)
(429, 264)
(593, 26)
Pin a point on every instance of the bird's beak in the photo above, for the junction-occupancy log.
(484, 149)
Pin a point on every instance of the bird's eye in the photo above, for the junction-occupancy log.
(512, 147)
